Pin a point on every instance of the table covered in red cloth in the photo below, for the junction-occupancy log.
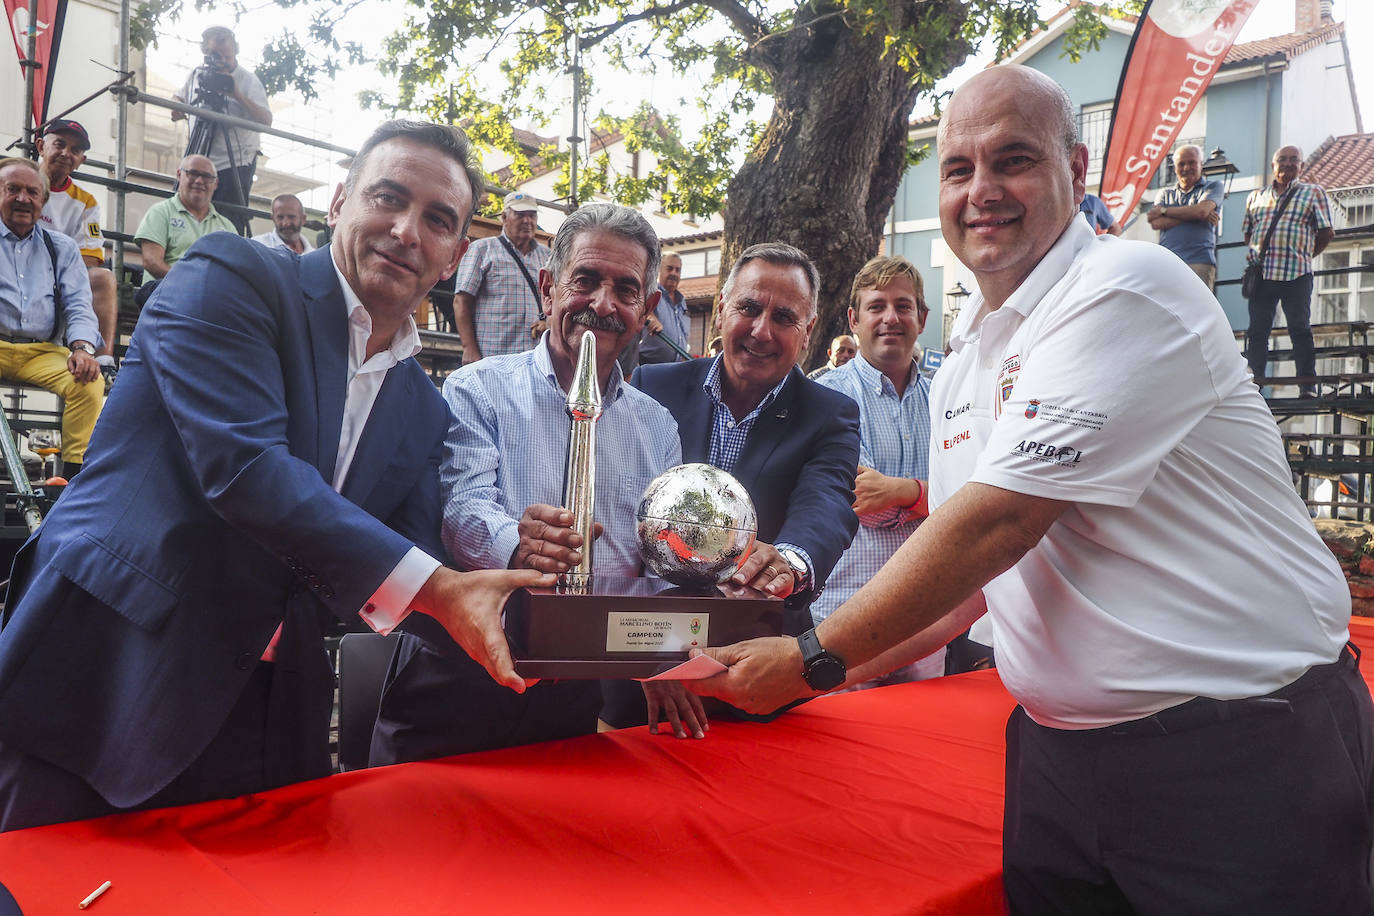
(885, 801)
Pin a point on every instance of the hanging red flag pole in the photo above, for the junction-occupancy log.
(1178, 46)
(37, 32)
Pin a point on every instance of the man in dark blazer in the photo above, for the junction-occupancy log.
(268, 458)
(793, 444)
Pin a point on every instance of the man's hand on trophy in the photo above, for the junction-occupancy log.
(468, 605)
(762, 674)
(767, 571)
(548, 542)
(672, 701)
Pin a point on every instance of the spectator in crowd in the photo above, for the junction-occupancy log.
(288, 219)
(497, 303)
(1287, 224)
(270, 459)
(45, 300)
(74, 212)
(1186, 215)
(1193, 734)
(1098, 216)
(503, 477)
(887, 311)
(670, 324)
(234, 150)
(172, 226)
(842, 349)
(792, 444)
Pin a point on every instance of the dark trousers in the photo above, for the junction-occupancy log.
(1296, 298)
(1255, 806)
(234, 187)
(438, 705)
(240, 759)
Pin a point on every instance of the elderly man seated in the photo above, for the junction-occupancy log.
(45, 300)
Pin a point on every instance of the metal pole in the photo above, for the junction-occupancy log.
(26, 499)
(121, 142)
(574, 141)
(30, 65)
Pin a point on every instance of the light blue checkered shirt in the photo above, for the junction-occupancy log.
(507, 448)
(728, 435)
(894, 439)
(505, 306)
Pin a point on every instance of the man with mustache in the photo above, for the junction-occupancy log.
(1193, 734)
(45, 302)
(503, 489)
(751, 412)
(288, 218)
(270, 459)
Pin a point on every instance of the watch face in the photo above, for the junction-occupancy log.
(826, 672)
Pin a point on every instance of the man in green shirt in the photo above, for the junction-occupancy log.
(172, 226)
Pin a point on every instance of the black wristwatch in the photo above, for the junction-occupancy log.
(821, 670)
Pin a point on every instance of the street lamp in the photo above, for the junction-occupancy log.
(1217, 165)
(954, 301)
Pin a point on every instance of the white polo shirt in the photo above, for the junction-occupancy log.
(1187, 565)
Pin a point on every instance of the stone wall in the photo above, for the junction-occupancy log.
(1353, 545)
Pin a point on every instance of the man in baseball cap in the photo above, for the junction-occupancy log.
(74, 212)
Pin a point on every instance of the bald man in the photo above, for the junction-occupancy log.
(172, 226)
(1193, 735)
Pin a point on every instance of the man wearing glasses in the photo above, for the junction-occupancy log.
(172, 226)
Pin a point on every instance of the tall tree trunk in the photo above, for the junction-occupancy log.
(825, 172)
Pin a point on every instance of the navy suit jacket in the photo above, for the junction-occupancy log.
(798, 463)
(204, 517)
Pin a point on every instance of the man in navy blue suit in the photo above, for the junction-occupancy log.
(269, 458)
(793, 444)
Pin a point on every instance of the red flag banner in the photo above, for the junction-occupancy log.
(1178, 47)
(50, 15)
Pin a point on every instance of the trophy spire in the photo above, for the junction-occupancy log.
(579, 484)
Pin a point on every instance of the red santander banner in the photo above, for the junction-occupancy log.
(50, 15)
(1177, 49)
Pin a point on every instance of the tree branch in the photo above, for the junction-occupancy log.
(654, 12)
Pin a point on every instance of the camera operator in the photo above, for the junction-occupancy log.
(220, 84)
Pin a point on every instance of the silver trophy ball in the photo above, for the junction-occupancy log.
(696, 525)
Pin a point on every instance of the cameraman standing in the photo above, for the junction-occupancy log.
(220, 84)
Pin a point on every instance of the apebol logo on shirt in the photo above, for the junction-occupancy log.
(1032, 409)
(1044, 451)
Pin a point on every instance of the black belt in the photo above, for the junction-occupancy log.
(11, 338)
(1202, 711)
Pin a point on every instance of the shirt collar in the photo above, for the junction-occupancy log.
(873, 378)
(711, 385)
(1023, 300)
(665, 296)
(405, 343)
(177, 202)
(543, 364)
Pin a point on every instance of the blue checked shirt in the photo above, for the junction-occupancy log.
(728, 436)
(677, 323)
(507, 448)
(894, 439)
(505, 306)
(1289, 254)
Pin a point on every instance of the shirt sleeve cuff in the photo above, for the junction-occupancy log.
(390, 604)
(810, 582)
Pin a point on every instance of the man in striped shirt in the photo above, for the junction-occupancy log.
(1300, 232)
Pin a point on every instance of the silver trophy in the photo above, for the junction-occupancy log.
(696, 525)
(579, 483)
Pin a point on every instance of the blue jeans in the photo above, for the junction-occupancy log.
(1296, 297)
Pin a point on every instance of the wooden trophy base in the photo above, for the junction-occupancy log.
(625, 627)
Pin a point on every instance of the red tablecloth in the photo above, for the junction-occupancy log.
(886, 801)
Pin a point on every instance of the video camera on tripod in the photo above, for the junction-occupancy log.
(213, 83)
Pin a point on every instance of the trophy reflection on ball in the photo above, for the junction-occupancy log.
(695, 526)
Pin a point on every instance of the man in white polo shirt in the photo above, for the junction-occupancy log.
(1193, 734)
